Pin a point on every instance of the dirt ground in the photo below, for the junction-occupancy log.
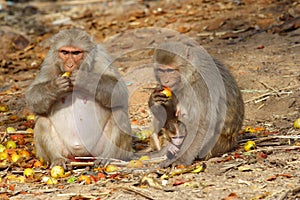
(257, 40)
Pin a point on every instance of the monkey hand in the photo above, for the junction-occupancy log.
(79, 78)
(158, 98)
(62, 84)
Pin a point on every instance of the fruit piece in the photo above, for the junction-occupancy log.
(15, 157)
(111, 168)
(250, 145)
(84, 178)
(57, 171)
(297, 123)
(4, 108)
(10, 144)
(2, 148)
(29, 130)
(10, 129)
(66, 74)
(28, 172)
(24, 154)
(30, 117)
(167, 91)
(17, 137)
(72, 179)
(51, 181)
(3, 156)
(135, 164)
(142, 158)
(37, 164)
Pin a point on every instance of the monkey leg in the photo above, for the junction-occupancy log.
(225, 143)
(48, 145)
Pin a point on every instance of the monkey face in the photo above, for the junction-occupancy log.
(71, 57)
(169, 76)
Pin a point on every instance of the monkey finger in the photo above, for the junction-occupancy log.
(160, 100)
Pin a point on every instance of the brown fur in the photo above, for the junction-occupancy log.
(99, 93)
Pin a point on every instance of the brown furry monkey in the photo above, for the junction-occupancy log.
(209, 103)
(83, 112)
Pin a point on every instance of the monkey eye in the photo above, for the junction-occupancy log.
(64, 52)
(76, 52)
(170, 70)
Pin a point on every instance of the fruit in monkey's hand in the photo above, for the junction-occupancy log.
(167, 91)
(66, 74)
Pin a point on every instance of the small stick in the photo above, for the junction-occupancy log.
(277, 148)
(16, 132)
(80, 164)
(269, 87)
(4, 136)
(138, 191)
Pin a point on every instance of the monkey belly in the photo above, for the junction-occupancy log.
(78, 121)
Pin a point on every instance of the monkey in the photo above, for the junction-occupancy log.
(166, 123)
(209, 102)
(85, 114)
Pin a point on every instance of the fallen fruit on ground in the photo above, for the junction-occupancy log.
(11, 144)
(28, 172)
(297, 123)
(250, 145)
(57, 172)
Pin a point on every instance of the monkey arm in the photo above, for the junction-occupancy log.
(40, 97)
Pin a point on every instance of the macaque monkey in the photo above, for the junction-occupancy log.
(83, 112)
(166, 121)
(208, 103)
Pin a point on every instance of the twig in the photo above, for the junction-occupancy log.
(272, 93)
(4, 136)
(276, 148)
(80, 164)
(269, 87)
(138, 191)
(16, 132)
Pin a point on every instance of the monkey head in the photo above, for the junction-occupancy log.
(70, 48)
(71, 57)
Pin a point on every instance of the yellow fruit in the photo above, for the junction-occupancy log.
(111, 168)
(37, 164)
(84, 178)
(29, 130)
(28, 172)
(167, 92)
(51, 181)
(3, 156)
(297, 123)
(11, 144)
(250, 145)
(15, 157)
(57, 171)
(30, 117)
(142, 158)
(10, 129)
(4, 108)
(2, 147)
(24, 153)
(135, 164)
(66, 74)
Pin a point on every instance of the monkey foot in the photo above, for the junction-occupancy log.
(60, 162)
(174, 146)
